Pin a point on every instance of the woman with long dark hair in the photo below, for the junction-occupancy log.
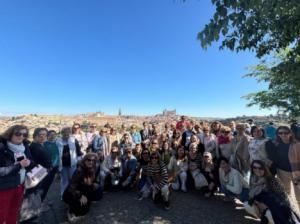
(142, 171)
(84, 188)
(268, 197)
(157, 180)
(285, 156)
(178, 167)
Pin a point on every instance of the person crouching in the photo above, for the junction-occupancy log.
(83, 188)
(157, 182)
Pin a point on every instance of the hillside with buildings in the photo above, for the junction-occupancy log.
(56, 122)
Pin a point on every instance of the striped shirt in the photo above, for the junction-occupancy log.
(158, 174)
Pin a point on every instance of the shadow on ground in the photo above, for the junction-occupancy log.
(122, 207)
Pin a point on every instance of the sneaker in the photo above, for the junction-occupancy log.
(183, 189)
(72, 217)
(140, 197)
(167, 205)
(125, 183)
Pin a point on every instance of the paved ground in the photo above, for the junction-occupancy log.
(122, 207)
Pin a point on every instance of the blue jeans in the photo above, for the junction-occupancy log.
(66, 175)
(243, 196)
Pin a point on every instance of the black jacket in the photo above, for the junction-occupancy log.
(9, 170)
(40, 155)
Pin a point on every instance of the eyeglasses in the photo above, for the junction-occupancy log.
(257, 168)
(128, 152)
(93, 126)
(18, 134)
(283, 133)
(154, 157)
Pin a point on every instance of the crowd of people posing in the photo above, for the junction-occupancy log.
(258, 165)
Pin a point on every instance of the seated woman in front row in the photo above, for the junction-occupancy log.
(233, 185)
(83, 188)
(157, 180)
(267, 198)
(178, 167)
(210, 172)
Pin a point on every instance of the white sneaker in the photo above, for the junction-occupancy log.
(125, 183)
(72, 218)
(183, 188)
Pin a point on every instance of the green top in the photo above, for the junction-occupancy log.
(52, 148)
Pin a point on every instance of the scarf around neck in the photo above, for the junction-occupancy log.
(18, 150)
(257, 185)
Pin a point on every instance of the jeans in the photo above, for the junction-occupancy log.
(66, 175)
(243, 196)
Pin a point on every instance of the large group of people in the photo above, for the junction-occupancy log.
(258, 165)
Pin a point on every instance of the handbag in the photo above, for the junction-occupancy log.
(35, 176)
(199, 179)
(30, 206)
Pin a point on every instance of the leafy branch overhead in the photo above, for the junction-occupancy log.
(283, 77)
(263, 26)
(259, 25)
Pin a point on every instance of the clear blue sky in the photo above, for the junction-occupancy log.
(74, 56)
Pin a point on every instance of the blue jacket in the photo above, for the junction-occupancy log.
(136, 138)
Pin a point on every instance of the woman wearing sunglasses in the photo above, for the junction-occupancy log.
(84, 188)
(267, 198)
(285, 156)
(14, 163)
(157, 180)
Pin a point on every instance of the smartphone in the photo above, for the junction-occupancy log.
(20, 158)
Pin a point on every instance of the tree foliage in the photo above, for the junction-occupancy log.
(259, 25)
(283, 80)
(263, 26)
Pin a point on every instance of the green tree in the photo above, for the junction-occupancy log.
(263, 26)
(259, 25)
(283, 80)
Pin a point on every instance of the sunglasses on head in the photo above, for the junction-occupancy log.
(18, 134)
